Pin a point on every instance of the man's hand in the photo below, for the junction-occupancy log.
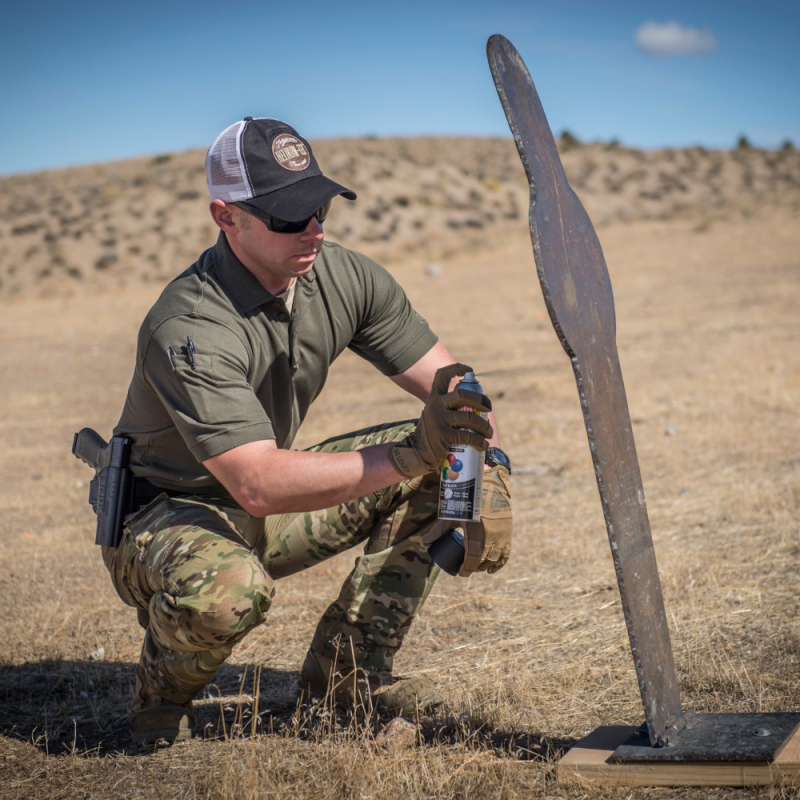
(487, 543)
(441, 426)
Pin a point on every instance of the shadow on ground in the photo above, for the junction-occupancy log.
(81, 708)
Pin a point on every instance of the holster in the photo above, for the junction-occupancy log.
(111, 489)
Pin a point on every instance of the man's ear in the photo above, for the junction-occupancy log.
(222, 214)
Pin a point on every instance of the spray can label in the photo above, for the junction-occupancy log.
(461, 485)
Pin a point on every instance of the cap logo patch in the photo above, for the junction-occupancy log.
(290, 152)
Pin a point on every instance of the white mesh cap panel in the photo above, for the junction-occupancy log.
(226, 174)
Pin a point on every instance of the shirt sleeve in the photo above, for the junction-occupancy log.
(391, 335)
(199, 369)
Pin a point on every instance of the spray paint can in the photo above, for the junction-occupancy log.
(448, 551)
(462, 474)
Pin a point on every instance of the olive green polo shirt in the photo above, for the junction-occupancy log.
(221, 362)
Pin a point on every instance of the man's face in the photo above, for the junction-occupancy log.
(274, 258)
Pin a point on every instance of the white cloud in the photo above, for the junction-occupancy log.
(672, 39)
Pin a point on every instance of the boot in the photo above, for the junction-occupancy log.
(164, 723)
(350, 688)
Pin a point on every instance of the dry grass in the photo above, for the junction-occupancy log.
(529, 660)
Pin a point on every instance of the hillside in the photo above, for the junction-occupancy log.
(146, 219)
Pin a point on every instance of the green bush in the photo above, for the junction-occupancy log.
(568, 141)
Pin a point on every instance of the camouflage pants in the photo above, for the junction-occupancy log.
(205, 571)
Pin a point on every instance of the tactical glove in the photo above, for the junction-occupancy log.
(441, 425)
(487, 543)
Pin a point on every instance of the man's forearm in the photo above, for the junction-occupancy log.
(284, 481)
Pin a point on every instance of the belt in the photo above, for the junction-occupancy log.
(145, 492)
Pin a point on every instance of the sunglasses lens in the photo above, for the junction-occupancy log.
(322, 211)
(278, 225)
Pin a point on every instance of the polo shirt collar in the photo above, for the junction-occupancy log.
(238, 282)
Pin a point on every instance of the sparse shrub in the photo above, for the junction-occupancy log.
(614, 144)
(743, 143)
(568, 141)
(788, 145)
(30, 227)
(164, 158)
(104, 262)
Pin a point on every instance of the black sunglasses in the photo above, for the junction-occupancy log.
(278, 225)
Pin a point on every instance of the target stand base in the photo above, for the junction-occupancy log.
(719, 755)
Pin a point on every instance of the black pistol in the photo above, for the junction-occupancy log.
(110, 489)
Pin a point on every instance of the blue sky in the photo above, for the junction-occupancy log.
(86, 81)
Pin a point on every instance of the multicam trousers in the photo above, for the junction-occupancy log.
(204, 571)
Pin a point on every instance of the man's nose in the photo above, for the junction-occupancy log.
(313, 229)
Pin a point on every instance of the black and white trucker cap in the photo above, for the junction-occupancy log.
(267, 164)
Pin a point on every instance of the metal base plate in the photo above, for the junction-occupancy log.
(715, 737)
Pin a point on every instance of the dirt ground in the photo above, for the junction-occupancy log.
(529, 660)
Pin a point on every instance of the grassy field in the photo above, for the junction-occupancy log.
(529, 660)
